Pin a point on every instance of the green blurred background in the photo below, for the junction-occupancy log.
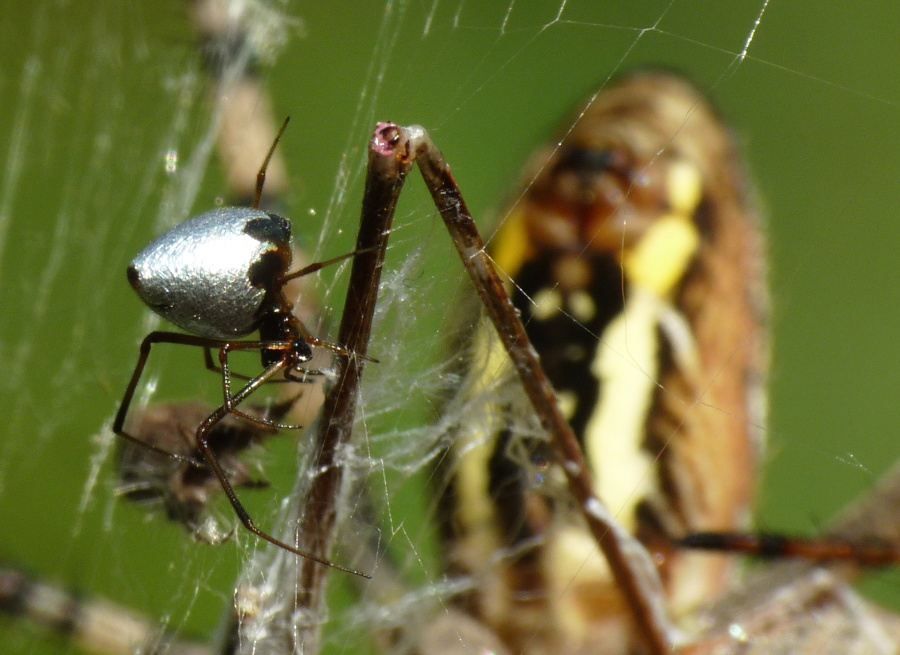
(93, 95)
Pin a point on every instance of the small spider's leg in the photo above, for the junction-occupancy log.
(146, 345)
(229, 399)
(261, 175)
(254, 345)
(208, 361)
(212, 366)
(267, 423)
(203, 444)
(333, 347)
(312, 268)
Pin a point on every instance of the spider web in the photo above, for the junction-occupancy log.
(95, 101)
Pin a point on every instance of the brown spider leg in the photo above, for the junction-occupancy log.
(273, 412)
(203, 444)
(312, 340)
(261, 175)
(772, 546)
(227, 375)
(212, 366)
(146, 345)
(264, 422)
(312, 268)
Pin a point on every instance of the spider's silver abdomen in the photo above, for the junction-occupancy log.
(210, 274)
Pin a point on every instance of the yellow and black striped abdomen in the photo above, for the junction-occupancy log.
(636, 264)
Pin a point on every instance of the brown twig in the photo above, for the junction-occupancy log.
(388, 167)
(386, 173)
